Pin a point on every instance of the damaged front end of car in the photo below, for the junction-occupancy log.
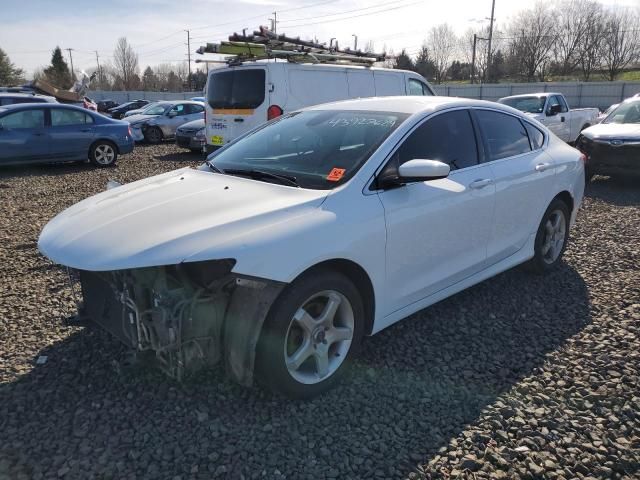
(191, 315)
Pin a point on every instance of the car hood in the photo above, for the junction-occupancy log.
(138, 118)
(170, 218)
(613, 131)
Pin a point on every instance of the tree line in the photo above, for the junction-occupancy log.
(566, 39)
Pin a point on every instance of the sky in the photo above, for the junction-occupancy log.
(30, 29)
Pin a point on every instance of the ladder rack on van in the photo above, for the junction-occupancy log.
(264, 44)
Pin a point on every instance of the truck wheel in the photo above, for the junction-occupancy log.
(310, 335)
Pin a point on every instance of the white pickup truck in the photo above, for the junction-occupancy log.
(551, 109)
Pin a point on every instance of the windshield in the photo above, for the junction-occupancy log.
(156, 108)
(320, 149)
(625, 113)
(525, 104)
(236, 89)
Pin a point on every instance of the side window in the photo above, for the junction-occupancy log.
(194, 109)
(448, 137)
(61, 117)
(415, 87)
(536, 137)
(504, 135)
(563, 105)
(23, 119)
(179, 109)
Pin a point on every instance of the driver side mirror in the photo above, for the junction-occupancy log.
(553, 110)
(172, 114)
(417, 170)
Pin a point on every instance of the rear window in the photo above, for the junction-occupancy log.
(236, 89)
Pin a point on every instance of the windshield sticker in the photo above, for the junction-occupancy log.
(355, 121)
(336, 174)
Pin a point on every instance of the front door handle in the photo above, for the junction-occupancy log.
(562, 119)
(480, 183)
(238, 119)
(541, 167)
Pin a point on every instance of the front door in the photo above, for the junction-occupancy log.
(23, 137)
(71, 133)
(437, 231)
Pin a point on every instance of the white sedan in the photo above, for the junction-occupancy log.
(290, 244)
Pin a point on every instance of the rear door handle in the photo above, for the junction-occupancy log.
(541, 167)
(480, 183)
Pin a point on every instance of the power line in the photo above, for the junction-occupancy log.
(345, 12)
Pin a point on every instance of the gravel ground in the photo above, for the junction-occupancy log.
(520, 376)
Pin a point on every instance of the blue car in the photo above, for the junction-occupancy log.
(51, 132)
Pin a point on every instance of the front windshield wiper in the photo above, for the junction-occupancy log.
(213, 167)
(258, 174)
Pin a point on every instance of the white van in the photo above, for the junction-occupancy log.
(241, 97)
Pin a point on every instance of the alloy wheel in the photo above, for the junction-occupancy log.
(554, 236)
(104, 154)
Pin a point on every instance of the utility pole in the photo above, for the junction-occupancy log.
(473, 59)
(71, 60)
(189, 57)
(99, 70)
(355, 41)
(274, 22)
(493, 8)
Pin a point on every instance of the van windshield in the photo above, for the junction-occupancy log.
(240, 88)
(319, 149)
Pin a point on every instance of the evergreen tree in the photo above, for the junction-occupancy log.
(424, 64)
(403, 61)
(58, 72)
(9, 73)
(149, 79)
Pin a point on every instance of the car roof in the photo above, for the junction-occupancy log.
(409, 104)
(46, 98)
(25, 106)
(535, 94)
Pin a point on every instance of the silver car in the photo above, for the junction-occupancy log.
(161, 122)
(192, 136)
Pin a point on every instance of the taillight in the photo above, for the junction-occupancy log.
(274, 111)
(129, 128)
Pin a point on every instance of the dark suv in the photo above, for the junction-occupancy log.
(119, 111)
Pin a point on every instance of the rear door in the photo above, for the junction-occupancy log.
(523, 175)
(238, 101)
(23, 137)
(71, 133)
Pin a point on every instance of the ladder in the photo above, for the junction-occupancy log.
(264, 44)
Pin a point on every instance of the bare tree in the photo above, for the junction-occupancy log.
(534, 33)
(125, 61)
(620, 41)
(574, 20)
(589, 46)
(442, 47)
(466, 48)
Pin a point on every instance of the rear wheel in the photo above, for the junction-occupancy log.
(103, 154)
(552, 236)
(153, 135)
(311, 334)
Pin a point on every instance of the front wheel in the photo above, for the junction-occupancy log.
(103, 154)
(153, 135)
(551, 238)
(310, 335)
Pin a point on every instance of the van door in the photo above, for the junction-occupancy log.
(313, 85)
(361, 83)
(237, 101)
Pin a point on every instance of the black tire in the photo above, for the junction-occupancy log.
(153, 135)
(544, 260)
(275, 339)
(103, 153)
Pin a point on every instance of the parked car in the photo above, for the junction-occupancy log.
(119, 111)
(552, 110)
(105, 105)
(198, 99)
(54, 132)
(239, 98)
(138, 111)
(289, 245)
(160, 122)
(192, 136)
(606, 113)
(11, 98)
(613, 146)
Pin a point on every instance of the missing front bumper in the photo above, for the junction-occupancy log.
(191, 317)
